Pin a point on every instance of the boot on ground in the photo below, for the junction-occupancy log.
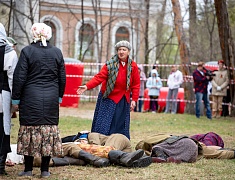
(214, 114)
(158, 152)
(144, 161)
(67, 161)
(2, 164)
(124, 158)
(93, 160)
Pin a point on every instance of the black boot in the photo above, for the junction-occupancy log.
(123, 158)
(2, 164)
(158, 152)
(93, 160)
(67, 161)
(144, 161)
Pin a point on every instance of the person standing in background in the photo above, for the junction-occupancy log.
(120, 79)
(38, 87)
(155, 66)
(141, 93)
(219, 89)
(8, 61)
(11, 42)
(154, 84)
(175, 79)
(201, 80)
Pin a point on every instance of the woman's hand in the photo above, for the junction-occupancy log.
(133, 104)
(14, 108)
(81, 89)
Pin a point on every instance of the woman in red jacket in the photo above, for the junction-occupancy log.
(120, 78)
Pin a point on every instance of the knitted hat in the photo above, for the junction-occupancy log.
(123, 43)
(11, 40)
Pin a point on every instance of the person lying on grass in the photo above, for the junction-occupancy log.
(169, 148)
(99, 150)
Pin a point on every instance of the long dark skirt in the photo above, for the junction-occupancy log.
(110, 118)
(4, 139)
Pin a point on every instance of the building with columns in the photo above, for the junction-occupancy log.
(83, 29)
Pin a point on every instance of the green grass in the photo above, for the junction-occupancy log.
(142, 125)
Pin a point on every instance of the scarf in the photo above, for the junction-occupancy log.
(113, 67)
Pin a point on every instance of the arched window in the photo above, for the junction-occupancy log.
(53, 29)
(86, 39)
(122, 34)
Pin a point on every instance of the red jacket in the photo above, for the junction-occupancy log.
(120, 84)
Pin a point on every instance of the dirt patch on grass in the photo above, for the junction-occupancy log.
(76, 112)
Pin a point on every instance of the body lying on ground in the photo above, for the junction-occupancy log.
(100, 151)
(169, 148)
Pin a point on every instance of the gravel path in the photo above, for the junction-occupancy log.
(76, 112)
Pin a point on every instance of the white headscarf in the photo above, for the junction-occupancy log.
(41, 32)
(3, 35)
(3, 39)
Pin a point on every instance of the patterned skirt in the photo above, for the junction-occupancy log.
(37, 141)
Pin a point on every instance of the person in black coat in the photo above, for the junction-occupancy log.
(38, 88)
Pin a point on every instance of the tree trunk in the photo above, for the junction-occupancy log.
(81, 38)
(184, 55)
(109, 29)
(146, 58)
(159, 29)
(192, 29)
(227, 45)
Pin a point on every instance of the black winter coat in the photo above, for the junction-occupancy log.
(38, 82)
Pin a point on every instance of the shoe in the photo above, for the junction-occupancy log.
(158, 160)
(153, 112)
(142, 162)
(3, 173)
(159, 153)
(173, 160)
(93, 160)
(27, 173)
(172, 112)
(124, 158)
(45, 174)
(214, 114)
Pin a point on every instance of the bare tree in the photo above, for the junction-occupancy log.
(192, 28)
(210, 29)
(109, 28)
(80, 57)
(159, 32)
(184, 53)
(227, 45)
(146, 57)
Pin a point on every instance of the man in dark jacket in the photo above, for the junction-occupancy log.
(201, 80)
